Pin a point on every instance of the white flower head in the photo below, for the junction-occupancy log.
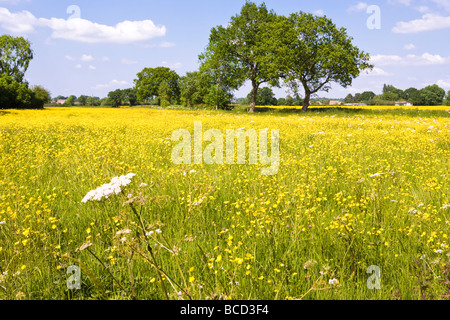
(377, 174)
(107, 190)
(333, 281)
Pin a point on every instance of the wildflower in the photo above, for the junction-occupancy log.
(309, 263)
(438, 251)
(107, 190)
(143, 185)
(126, 231)
(20, 295)
(377, 174)
(191, 279)
(333, 281)
(84, 246)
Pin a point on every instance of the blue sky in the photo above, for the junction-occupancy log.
(113, 40)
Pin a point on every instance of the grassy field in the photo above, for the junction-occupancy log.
(356, 188)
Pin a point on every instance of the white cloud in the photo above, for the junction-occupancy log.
(105, 58)
(425, 59)
(402, 2)
(409, 46)
(126, 61)
(87, 58)
(78, 66)
(86, 31)
(176, 65)
(82, 30)
(111, 84)
(319, 13)
(445, 84)
(91, 67)
(385, 60)
(378, 72)
(22, 22)
(361, 6)
(429, 21)
(70, 58)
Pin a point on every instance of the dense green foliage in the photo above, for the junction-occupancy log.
(148, 84)
(241, 52)
(17, 95)
(15, 56)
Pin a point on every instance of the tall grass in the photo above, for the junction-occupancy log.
(354, 189)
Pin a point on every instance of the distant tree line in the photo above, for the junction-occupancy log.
(431, 95)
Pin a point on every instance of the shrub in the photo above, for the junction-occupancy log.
(17, 95)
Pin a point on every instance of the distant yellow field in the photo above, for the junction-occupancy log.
(446, 108)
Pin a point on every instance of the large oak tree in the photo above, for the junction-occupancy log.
(313, 53)
(239, 52)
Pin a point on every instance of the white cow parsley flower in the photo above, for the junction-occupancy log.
(107, 190)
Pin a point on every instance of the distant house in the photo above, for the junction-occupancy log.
(61, 101)
(334, 102)
(403, 104)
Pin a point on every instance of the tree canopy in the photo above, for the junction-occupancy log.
(15, 56)
(240, 50)
(304, 50)
(432, 95)
(149, 81)
(314, 53)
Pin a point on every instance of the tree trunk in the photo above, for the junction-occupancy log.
(306, 101)
(253, 98)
